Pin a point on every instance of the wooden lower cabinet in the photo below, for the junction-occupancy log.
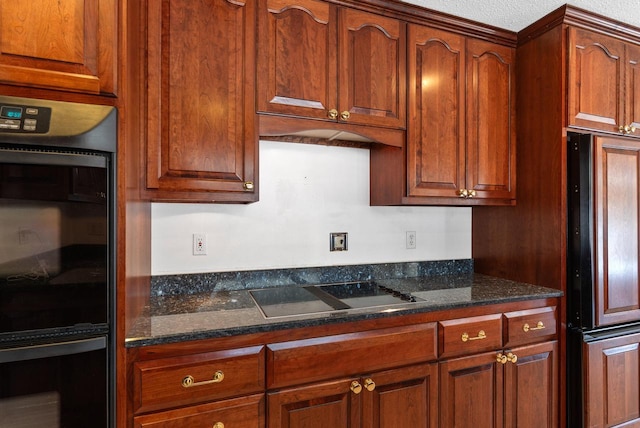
(245, 412)
(404, 397)
(612, 382)
(514, 388)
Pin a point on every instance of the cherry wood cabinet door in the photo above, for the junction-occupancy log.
(471, 392)
(372, 69)
(491, 120)
(595, 81)
(406, 397)
(297, 58)
(612, 385)
(201, 133)
(617, 221)
(321, 405)
(68, 45)
(436, 127)
(632, 109)
(531, 387)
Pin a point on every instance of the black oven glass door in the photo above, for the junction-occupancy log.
(60, 385)
(54, 240)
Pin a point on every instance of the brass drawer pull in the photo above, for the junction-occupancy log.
(539, 326)
(332, 114)
(189, 381)
(481, 335)
(512, 358)
(501, 358)
(356, 387)
(369, 384)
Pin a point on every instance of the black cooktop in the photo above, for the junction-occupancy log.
(295, 300)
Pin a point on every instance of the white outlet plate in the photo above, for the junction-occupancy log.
(338, 241)
(411, 240)
(199, 244)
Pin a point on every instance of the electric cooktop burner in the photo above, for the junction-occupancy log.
(291, 301)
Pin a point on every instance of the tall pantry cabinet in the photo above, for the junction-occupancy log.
(576, 73)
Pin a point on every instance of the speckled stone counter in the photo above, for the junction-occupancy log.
(219, 310)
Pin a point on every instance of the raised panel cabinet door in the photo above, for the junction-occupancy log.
(632, 95)
(372, 69)
(406, 397)
(617, 220)
(471, 392)
(202, 141)
(69, 45)
(595, 81)
(328, 404)
(612, 385)
(531, 387)
(491, 120)
(436, 126)
(297, 54)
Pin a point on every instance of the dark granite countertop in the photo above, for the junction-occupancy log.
(230, 312)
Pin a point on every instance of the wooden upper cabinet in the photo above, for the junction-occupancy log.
(603, 82)
(319, 61)
(617, 216)
(491, 120)
(436, 131)
(201, 131)
(68, 45)
(461, 132)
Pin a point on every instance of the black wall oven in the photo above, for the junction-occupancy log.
(57, 263)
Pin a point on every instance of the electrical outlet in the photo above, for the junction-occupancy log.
(338, 241)
(411, 240)
(199, 244)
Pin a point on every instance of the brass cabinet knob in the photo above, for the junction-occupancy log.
(218, 425)
(369, 384)
(333, 114)
(472, 193)
(189, 380)
(512, 358)
(627, 129)
(248, 185)
(345, 115)
(539, 326)
(356, 387)
(481, 335)
(501, 358)
(463, 193)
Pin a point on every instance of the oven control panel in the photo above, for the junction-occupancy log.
(24, 119)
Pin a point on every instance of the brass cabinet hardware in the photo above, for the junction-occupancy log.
(189, 381)
(369, 384)
(466, 193)
(248, 185)
(356, 387)
(481, 335)
(539, 326)
(512, 358)
(501, 358)
(345, 115)
(627, 129)
(333, 114)
(218, 425)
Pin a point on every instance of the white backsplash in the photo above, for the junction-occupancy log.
(306, 192)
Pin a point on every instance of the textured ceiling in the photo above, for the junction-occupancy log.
(517, 14)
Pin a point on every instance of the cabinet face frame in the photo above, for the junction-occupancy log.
(65, 45)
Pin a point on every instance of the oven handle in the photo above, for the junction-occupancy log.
(52, 350)
(33, 156)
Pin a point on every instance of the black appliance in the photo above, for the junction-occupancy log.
(57, 263)
(590, 235)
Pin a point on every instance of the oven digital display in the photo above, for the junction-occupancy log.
(11, 112)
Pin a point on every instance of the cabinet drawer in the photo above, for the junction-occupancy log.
(178, 381)
(533, 325)
(302, 361)
(245, 412)
(470, 335)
